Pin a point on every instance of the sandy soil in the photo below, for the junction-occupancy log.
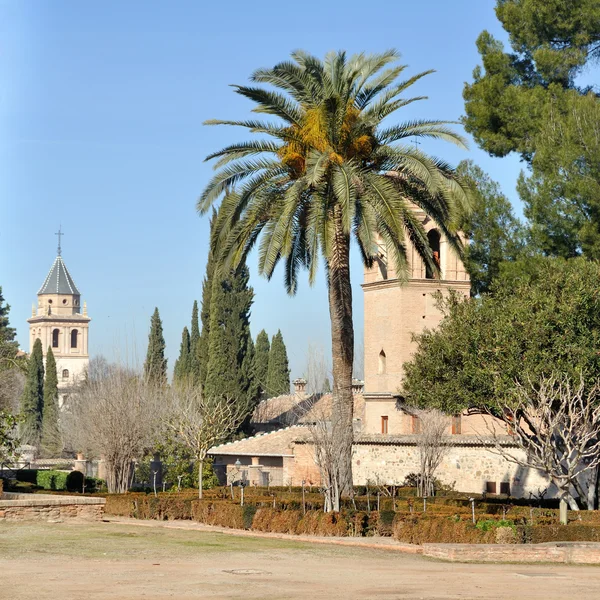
(125, 562)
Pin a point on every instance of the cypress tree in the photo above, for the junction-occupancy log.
(207, 291)
(278, 375)
(182, 369)
(51, 438)
(229, 368)
(261, 362)
(32, 400)
(194, 341)
(155, 367)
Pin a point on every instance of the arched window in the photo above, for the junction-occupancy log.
(55, 333)
(65, 374)
(382, 362)
(74, 338)
(434, 243)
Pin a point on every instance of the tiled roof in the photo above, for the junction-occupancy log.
(293, 409)
(59, 280)
(454, 440)
(276, 443)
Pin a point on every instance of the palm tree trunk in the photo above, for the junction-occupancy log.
(342, 344)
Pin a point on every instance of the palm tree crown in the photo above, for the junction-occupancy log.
(328, 167)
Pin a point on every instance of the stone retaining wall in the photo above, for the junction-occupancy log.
(46, 507)
(587, 553)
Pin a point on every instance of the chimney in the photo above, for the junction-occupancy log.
(299, 386)
(357, 386)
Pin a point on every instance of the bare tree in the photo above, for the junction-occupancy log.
(12, 383)
(433, 446)
(200, 422)
(328, 459)
(318, 369)
(556, 425)
(115, 416)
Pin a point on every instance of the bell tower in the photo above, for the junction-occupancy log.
(395, 310)
(61, 323)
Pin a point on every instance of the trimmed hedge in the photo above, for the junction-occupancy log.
(71, 481)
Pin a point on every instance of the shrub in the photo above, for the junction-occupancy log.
(489, 524)
(27, 475)
(46, 479)
(385, 522)
(248, 512)
(506, 535)
(561, 533)
(422, 530)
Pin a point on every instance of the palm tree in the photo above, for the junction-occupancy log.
(327, 172)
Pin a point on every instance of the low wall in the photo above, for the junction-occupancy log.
(51, 508)
(582, 553)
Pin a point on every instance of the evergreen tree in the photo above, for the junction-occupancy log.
(51, 438)
(207, 290)
(182, 370)
(278, 376)
(194, 341)
(32, 400)
(495, 234)
(229, 367)
(261, 362)
(155, 367)
(326, 386)
(7, 334)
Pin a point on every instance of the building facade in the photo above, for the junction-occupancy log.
(61, 322)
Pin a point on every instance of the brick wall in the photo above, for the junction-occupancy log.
(52, 508)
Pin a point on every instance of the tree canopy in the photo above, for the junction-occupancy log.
(32, 400)
(51, 440)
(531, 101)
(278, 374)
(495, 234)
(155, 367)
(261, 362)
(543, 317)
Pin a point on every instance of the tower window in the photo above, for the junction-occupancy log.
(65, 301)
(433, 237)
(384, 425)
(55, 333)
(65, 374)
(382, 362)
(74, 338)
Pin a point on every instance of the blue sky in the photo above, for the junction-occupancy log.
(101, 111)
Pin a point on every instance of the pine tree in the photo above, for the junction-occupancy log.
(155, 367)
(32, 400)
(182, 371)
(51, 438)
(326, 386)
(229, 368)
(201, 349)
(278, 376)
(194, 341)
(261, 362)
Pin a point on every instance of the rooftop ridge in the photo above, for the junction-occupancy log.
(257, 435)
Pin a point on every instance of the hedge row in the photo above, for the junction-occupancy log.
(71, 481)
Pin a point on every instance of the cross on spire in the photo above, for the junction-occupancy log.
(59, 233)
(416, 142)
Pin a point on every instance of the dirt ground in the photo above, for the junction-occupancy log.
(112, 561)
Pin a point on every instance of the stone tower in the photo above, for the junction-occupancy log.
(60, 324)
(394, 311)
